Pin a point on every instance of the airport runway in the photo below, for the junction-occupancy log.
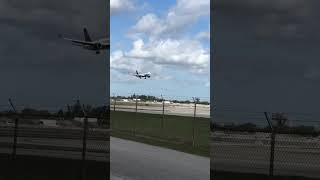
(179, 110)
(292, 157)
(136, 161)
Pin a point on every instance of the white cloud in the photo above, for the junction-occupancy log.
(117, 6)
(204, 35)
(124, 67)
(170, 52)
(162, 47)
(149, 24)
(183, 14)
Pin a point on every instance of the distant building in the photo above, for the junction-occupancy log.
(48, 122)
(90, 120)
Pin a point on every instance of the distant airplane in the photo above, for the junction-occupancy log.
(143, 75)
(97, 45)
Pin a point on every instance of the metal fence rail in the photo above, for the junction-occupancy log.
(159, 122)
(287, 149)
(162, 107)
(22, 135)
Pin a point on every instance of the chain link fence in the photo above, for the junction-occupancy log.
(44, 140)
(175, 125)
(272, 144)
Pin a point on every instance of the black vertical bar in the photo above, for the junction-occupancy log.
(111, 122)
(162, 122)
(108, 119)
(136, 104)
(15, 135)
(273, 137)
(268, 120)
(84, 148)
(84, 145)
(193, 122)
(135, 119)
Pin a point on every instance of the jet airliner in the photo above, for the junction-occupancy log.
(88, 43)
(143, 75)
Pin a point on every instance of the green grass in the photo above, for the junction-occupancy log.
(175, 132)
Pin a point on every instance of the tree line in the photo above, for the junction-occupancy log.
(159, 99)
(279, 128)
(75, 110)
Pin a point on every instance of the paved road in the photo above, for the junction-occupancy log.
(133, 161)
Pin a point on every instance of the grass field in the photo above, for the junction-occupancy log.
(175, 132)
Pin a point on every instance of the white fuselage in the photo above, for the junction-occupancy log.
(144, 75)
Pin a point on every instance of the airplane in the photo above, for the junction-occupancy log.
(143, 75)
(97, 45)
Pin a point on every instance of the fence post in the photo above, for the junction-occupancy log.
(136, 104)
(272, 144)
(193, 121)
(84, 145)
(107, 118)
(15, 135)
(114, 104)
(135, 119)
(162, 122)
(110, 121)
(273, 140)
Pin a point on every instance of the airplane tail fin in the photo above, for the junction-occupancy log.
(86, 35)
(137, 72)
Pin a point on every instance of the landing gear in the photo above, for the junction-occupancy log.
(97, 52)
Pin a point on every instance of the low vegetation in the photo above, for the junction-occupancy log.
(145, 98)
(284, 129)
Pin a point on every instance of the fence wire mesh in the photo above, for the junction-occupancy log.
(241, 141)
(52, 135)
(182, 125)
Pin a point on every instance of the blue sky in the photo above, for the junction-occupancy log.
(168, 38)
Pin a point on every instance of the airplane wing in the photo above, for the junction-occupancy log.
(79, 42)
